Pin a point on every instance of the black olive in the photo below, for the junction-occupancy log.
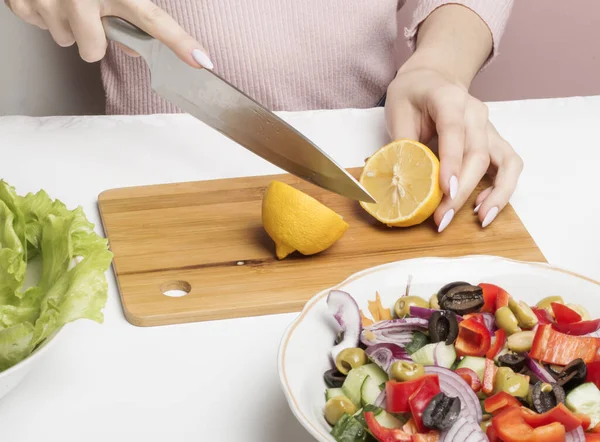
(573, 374)
(523, 401)
(441, 412)
(339, 337)
(547, 396)
(514, 361)
(333, 378)
(463, 299)
(444, 290)
(443, 326)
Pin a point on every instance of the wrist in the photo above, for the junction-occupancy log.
(426, 59)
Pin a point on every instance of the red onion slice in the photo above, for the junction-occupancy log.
(425, 313)
(490, 322)
(380, 401)
(576, 435)
(465, 429)
(394, 331)
(455, 386)
(384, 355)
(538, 370)
(344, 309)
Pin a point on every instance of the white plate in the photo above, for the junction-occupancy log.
(304, 349)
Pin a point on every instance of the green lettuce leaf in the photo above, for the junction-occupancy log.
(74, 260)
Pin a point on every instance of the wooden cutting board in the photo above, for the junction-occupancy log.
(206, 238)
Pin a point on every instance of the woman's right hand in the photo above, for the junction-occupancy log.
(79, 21)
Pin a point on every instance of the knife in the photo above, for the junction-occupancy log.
(211, 99)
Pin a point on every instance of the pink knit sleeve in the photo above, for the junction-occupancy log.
(494, 13)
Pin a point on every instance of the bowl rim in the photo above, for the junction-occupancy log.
(293, 401)
(33, 356)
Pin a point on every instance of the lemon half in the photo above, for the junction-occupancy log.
(403, 177)
(296, 221)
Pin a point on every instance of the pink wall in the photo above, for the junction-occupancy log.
(551, 48)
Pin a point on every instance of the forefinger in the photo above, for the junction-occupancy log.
(156, 22)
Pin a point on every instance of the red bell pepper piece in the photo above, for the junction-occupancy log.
(596, 429)
(473, 339)
(564, 314)
(470, 378)
(397, 393)
(593, 373)
(492, 435)
(579, 328)
(560, 414)
(592, 437)
(553, 347)
(432, 436)
(586, 421)
(489, 375)
(543, 316)
(383, 434)
(511, 427)
(499, 341)
(500, 401)
(419, 400)
(490, 293)
(502, 299)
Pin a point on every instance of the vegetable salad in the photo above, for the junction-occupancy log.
(472, 364)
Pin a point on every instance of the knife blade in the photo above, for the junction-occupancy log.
(211, 99)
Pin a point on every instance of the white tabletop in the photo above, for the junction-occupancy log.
(218, 380)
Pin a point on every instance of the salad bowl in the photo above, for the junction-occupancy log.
(305, 348)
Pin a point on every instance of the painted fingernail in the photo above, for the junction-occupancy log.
(446, 220)
(202, 59)
(453, 186)
(491, 215)
(477, 208)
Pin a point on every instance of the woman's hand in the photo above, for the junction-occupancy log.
(71, 21)
(423, 102)
(430, 96)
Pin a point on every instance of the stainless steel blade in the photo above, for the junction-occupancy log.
(226, 109)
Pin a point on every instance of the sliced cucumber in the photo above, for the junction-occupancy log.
(387, 420)
(369, 391)
(585, 399)
(474, 363)
(424, 355)
(435, 354)
(333, 392)
(353, 384)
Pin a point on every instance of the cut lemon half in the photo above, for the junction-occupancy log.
(296, 221)
(403, 177)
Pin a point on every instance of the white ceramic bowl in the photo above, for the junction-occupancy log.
(304, 349)
(12, 377)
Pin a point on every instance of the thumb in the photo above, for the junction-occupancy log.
(403, 121)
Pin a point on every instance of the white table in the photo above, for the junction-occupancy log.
(218, 380)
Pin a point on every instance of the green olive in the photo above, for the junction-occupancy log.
(433, 302)
(336, 407)
(546, 303)
(507, 320)
(350, 358)
(520, 342)
(525, 316)
(404, 303)
(406, 371)
(585, 316)
(510, 382)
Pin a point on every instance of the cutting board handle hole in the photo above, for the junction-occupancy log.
(176, 289)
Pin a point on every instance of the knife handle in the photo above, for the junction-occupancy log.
(121, 31)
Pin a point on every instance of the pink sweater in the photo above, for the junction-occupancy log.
(289, 54)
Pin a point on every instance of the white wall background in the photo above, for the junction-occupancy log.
(37, 77)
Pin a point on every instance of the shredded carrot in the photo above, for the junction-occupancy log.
(377, 310)
(365, 320)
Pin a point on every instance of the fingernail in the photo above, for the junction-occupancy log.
(453, 186)
(477, 208)
(491, 215)
(202, 59)
(446, 220)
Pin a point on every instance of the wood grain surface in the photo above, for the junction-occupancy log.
(207, 238)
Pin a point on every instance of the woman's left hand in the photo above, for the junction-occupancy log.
(422, 103)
